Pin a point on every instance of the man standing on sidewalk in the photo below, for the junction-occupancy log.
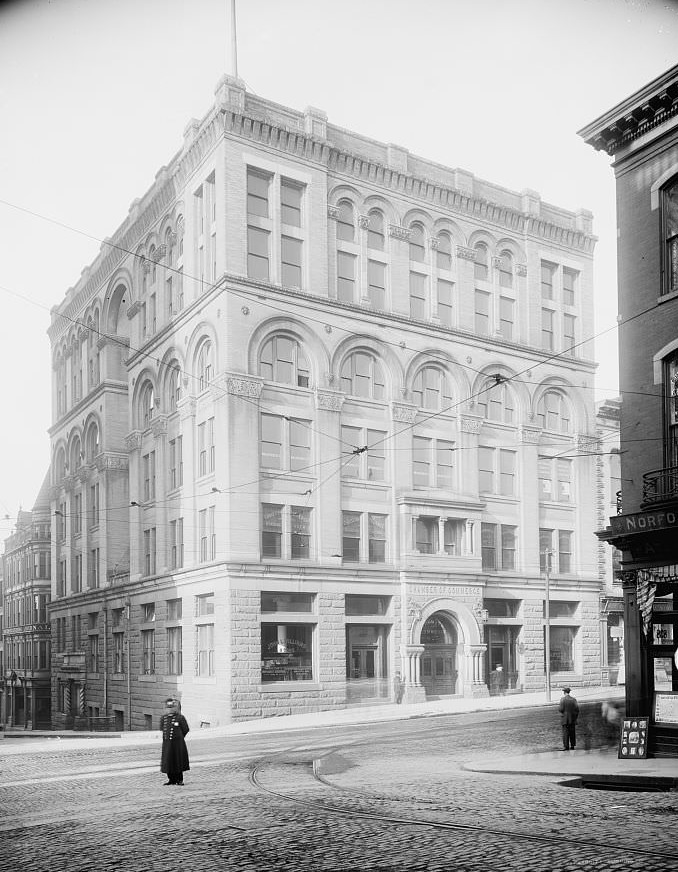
(569, 712)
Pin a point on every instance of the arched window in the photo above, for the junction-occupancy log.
(417, 243)
(147, 408)
(431, 388)
(444, 252)
(61, 387)
(361, 376)
(76, 370)
(173, 387)
(76, 456)
(283, 360)
(480, 269)
(170, 239)
(345, 222)
(495, 402)
(152, 263)
(670, 232)
(375, 232)
(505, 270)
(553, 412)
(60, 466)
(92, 442)
(205, 366)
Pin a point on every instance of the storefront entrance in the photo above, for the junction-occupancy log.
(439, 670)
(366, 674)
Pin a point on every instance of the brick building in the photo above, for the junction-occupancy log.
(25, 631)
(641, 134)
(321, 408)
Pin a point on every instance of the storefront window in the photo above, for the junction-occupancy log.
(366, 605)
(561, 609)
(502, 608)
(562, 648)
(273, 601)
(662, 673)
(286, 652)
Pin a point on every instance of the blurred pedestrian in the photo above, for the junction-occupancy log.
(398, 688)
(569, 712)
(497, 681)
(174, 758)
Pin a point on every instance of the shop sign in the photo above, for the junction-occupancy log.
(633, 738)
(665, 707)
(662, 634)
(644, 522)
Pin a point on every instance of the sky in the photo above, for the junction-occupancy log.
(95, 96)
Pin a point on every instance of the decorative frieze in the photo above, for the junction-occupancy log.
(159, 252)
(332, 211)
(466, 253)
(133, 440)
(186, 406)
(521, 269)
(530, 435)
(111, 461)
(404, 414)
(397, 231)
(159, 425)
(587, 442)
(434, 243)
(331, 402)
(145, 265)
(496, 262)
(471, 425)
(243, 387)
(364, 222)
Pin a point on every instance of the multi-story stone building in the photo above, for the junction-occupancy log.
(322, 413)
(26, 630)
(641, 134)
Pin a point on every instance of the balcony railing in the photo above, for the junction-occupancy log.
(618, 495)
(660, 486)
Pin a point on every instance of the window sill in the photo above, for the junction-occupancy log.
(665, 298)
(119, 676)
(148, 679)
(291, 686)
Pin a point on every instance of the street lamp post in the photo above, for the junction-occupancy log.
(547, 620)
(12, 681)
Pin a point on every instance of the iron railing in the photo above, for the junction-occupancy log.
(660, 486)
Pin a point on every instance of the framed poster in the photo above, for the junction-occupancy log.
(633, 738)
(665, 707)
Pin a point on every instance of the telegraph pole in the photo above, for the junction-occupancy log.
(547, 620)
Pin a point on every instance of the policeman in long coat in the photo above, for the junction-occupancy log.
(174, 758)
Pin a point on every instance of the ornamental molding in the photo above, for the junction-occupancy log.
(521, 269)
(111, 461)
(145, 265)
(133, 440)
(159, 425)
(397, 231)
(466, 253)
(331, 402)
(434, 243)
(244, 387)
(471, 425)
(159, 252)
(364, 222)
(133, 309)
(171, 238)
(332, 211)
(530, 435)
(186, 406)
(496, 262)
(587, 442)
(404, 414)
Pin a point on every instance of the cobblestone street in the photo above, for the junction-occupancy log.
(374, 797)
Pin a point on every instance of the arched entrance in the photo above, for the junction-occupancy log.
(439, 667)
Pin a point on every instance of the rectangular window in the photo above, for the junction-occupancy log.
(482, 313)
(506, 317)
(93, 653)
(346, 270)
(203, 535)
(169, 296)
(148, 612)
(569, 285)
(547, 329)
(149, 551)
(548, 271)
(545, 546)
(77, 514)
(118, 652)
(271, 530)
(507, 473)
(174, 651)
(562, 648)
(94, 505)
(176, 543)
(176, 464)
(376, 455)
(568, 334)
(376, 538)
(205, 639)
(350, 536)
(290, 254)
(257, 194)
(204, 605)
(564, 480)
(290, 202)
(148, 652)
(300, 445)
(258, 253)
(564, 551)
(174, 609)
(418, 295)
(445, 295)
(149, 475)
(370, 464)
(286, 652)
(426, 535)
(272, 602)
(488, 543)
(508, 547)
(300, 521)
(486, 470)
(421, 457)
(271, 441)
(444, 464)
(93, 568)
(376, 284)
(76, 573)
(359, 604)
(285, 443)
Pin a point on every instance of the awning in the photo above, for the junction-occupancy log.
(646, 586)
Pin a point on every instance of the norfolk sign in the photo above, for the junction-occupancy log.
(643, 522)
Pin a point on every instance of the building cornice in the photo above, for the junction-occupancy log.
(644, 110)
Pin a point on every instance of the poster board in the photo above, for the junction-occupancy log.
(665, 707)
(633, 738)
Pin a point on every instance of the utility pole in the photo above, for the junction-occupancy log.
(547, 619)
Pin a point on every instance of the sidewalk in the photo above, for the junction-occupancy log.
(41, 739)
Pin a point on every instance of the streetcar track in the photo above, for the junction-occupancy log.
(593, 846)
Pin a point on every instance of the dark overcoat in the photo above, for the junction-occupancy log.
(569, 710)
(174, 751)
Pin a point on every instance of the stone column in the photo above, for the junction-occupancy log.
(414, 690)
(474, 684)
(133, 445)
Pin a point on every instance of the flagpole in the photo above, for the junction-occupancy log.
(234, 44)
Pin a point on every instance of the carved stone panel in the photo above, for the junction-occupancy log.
(530, 435)
(332, 402)
(399, 232)
(332, 211)
(244, 387)
(466, 253)
(133, 440)
(471, 425)
(404, 414)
